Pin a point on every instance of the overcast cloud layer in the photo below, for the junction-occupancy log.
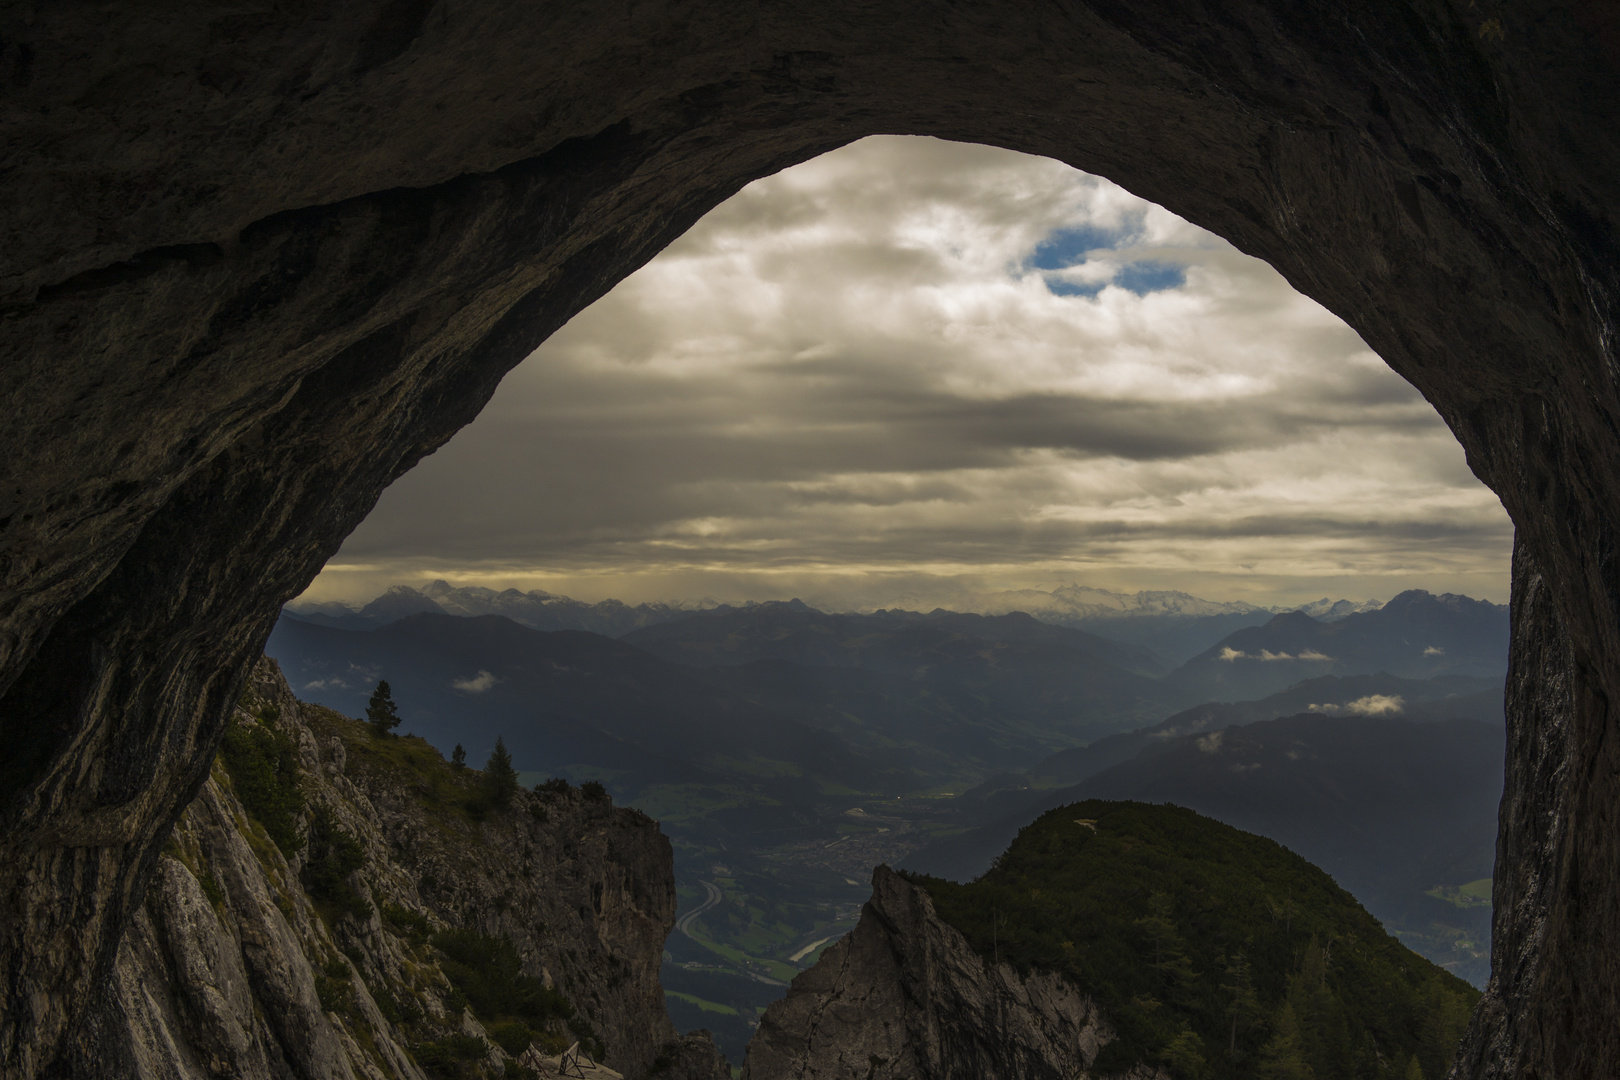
(911, 370)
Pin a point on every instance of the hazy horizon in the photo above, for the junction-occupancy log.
(356, 587)
(913, 372)
(994, 602)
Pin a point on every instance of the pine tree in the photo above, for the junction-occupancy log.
(1284, 1055)
(380, 711)
(1444, 1023)
(1185, 1053)
(1169, 948)
(500, 778)
(458, 757)
(1243, 1007)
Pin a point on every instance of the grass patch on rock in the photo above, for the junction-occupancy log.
(262, 761)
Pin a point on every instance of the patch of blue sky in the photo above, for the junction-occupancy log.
(1150, 276)
(1064, 248)
(1058, 286)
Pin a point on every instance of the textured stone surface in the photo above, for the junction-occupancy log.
(229, 991)
(694, 1057)
(227, 986)
(256, 260)
(904, 996)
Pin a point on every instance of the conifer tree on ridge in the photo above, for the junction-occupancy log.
(381, 713)
(500, 778)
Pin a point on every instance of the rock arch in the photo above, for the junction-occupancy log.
(257, 261)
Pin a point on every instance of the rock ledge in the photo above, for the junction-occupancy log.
(905, 996)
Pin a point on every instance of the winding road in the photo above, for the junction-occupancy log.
(684, 923)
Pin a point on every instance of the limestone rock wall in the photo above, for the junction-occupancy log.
(226, 963)
(224, 985)
(904, 997)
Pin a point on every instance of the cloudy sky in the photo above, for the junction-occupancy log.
(913, 371)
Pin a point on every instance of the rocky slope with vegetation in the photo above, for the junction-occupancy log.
(340, 902)
(905, 996)
(1119, 939)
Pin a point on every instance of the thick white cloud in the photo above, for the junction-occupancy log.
(910, 370)
(476, 685)
(1377, 705)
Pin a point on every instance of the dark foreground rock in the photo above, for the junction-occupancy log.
(233, 968)
(904, 997)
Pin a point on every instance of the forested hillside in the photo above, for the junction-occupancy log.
(1214, 952)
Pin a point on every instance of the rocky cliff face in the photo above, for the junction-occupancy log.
(904, 997)
(232, 967)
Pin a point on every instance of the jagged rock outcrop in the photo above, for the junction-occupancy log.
(904, 997)
(231, 968)
(692, 1057)
(257, 262)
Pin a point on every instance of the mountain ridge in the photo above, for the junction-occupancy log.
(1071, 604)
(1416, 635)
(1120, 939)
(1391, 807)
(1168, 917)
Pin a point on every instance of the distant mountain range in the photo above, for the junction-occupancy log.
(1173, 626)
(888, 703)
(1440, 698)
(940, 642)
(1172, 630)
(1416, 635)
(1069, 603)
(536, 609)
(931, 697)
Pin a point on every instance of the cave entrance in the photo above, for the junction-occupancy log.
(916, 374)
